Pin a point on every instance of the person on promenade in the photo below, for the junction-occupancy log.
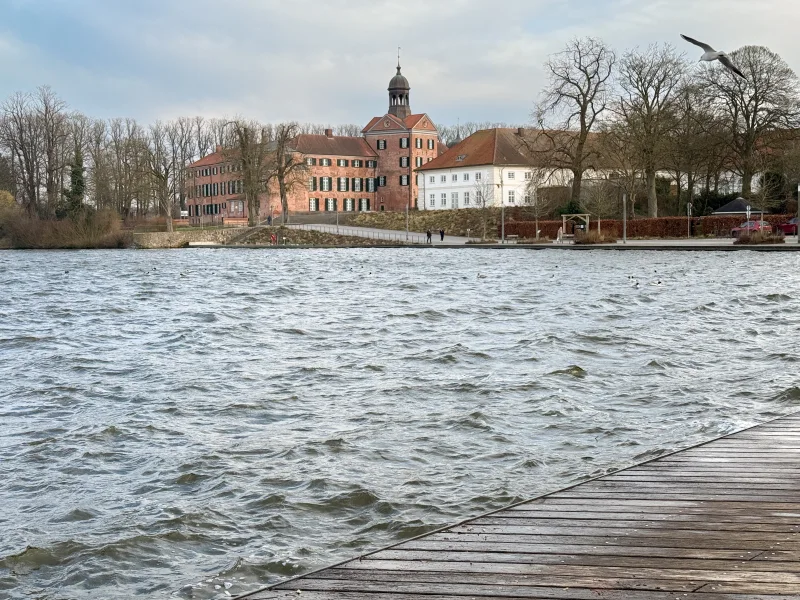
(441, 234)
(430, 236)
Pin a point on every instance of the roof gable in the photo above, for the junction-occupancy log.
(421, 122)
(385, 123)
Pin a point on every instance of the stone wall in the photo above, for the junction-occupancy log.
(180, 239)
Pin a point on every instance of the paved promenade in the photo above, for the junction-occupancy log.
(719, 521)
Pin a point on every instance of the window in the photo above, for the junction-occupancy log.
(511, 196)
(343, 184)
(444, 178)
(325, 162)
(433, 179)
(418, 142)
(312, 184)
(382, 181)
(466, 198)
(313, 204)
(372, 164)
(381, 144)
(511, 175)
(370, 184)
(330, 204)
(478, 176)
(325, 184)
(454, 198)
(363, 204)
(466, 176)
(418, 161)
(527, 175)
(341, 162)
(311, 161)
(349, 204)
(215, 170)
(403, 161)
(404, 142)
(358, 164)
(455, 177)
(430, 144)
(479, 197)
(403, 179)
(429, 159)
(358, 183)
(433, 201)
(527, 198)
(444, 199)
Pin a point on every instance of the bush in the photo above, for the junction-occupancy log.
(757, 237)
(595, 237)
(89, 230)
(662, 227)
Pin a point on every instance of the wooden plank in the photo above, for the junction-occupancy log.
(720, 521)
(643, 541)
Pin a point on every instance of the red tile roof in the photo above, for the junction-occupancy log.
(485, 147)
(214, 158)
(338, 145)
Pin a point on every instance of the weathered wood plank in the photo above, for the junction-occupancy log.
(720, 521)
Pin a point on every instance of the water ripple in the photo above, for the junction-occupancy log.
(185, 424)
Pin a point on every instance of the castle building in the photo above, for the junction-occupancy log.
(373, 172)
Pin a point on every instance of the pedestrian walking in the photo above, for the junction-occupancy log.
(430, 236)
(441, 234)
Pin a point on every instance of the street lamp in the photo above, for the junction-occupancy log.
(797, 225)
(688, 219)
(408, 201)
(624, 218)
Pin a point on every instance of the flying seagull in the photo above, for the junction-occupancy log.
(710, 54)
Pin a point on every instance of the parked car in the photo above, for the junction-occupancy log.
(751, 227)
(789, 228)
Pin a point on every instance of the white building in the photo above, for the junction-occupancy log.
(486, 169)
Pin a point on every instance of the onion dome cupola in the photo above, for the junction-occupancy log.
(399, 102)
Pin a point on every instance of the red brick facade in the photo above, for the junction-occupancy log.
(375, 172)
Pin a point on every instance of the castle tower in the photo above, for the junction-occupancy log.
(399, 102)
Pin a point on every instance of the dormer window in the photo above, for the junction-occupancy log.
(461, 157)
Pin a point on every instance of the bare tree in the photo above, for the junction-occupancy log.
(763, 103)
(648, 82)
(541, 204)
(623, 160)
(573, 103)
(162, 168)
(484, 200)
(287, 168)
(252, 149)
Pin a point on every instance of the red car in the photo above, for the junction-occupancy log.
(789, 228)
(751, 227)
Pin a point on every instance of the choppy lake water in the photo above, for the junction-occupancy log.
(189, 423)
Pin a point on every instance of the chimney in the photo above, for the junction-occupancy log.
(520, 131)
(219, 149)
(328, 133)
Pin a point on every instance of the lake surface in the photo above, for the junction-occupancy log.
(195, 422)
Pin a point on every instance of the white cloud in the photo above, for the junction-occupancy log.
(330, 61)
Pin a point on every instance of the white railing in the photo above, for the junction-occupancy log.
(411, 238)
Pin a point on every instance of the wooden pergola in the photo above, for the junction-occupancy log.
(574, 218)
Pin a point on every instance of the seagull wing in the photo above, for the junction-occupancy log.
(727, 62)
(705, 47)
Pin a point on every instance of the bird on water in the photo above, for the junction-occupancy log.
(710, 54)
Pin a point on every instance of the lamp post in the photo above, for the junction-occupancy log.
(688, 219)
(797, 224)
(502, 210)
(624, 218)
(407, 203)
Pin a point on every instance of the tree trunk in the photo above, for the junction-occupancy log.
(747, 181)
(577, 180)
(285, 200)
(652, 197)
(252, 211)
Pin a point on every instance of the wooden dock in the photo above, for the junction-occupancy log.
(716, 521)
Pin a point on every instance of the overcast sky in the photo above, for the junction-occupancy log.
(330, 61)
